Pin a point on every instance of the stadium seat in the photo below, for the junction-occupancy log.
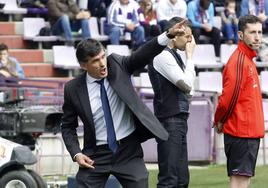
(218, 24)
(64, 57)
(226, 52)
(145, 80)
(264, 82)
(262, 54)
(82, 4)
(94, 30)
(146, 90)
(11, 7)
(228, 49)
(31, 29)
(102, 25)
(264, 140)
(210, 81)
(118, 49)
(136, 81)
(265, 110)
(204, 56)
(126, 37)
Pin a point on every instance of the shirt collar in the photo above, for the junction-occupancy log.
(90, 79)
(248, 51)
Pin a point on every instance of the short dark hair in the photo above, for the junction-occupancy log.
(204, 4)
(244, 20)
(88, 48)
(3, 47)
(173, 21)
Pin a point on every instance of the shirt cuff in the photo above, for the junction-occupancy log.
(162, 39)
(75, 156)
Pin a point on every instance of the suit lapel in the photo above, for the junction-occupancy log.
(84, 100)
(121, 83)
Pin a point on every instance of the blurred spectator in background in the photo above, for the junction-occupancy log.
(167, 9)
(218, 3)
(98, 8)
(65, 17)
(35, 7)
(230, 22)
(32, 3)
(147, 17)
(123, 17)
(9, 66)
(257, 8)
(237, 8)
(201, 14)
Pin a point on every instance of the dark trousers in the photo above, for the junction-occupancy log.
(172, 154)
(230, 31)
(214, 34)
(126, 165)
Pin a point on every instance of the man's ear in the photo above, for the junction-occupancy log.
(240, 35)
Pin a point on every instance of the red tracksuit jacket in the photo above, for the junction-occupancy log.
(240, 105)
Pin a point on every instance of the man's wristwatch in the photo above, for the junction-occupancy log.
(170, 36)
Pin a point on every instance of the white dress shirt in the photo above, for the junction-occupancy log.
(122, 117)
(166, 65)
(165, 10)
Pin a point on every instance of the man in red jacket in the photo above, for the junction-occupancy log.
(239, 113)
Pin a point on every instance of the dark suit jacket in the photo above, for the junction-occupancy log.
(77, 104)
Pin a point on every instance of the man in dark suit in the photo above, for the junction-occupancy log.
(115, 119)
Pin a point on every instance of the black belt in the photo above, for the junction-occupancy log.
(119, 142)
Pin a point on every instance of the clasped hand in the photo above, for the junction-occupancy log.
(83, 15)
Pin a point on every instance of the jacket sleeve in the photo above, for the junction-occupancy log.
(69, 124)
(143, 55)
(191, 14)
(211, 14)
(232, 80)
(112, 16)
(74, 10)
(53, 10)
